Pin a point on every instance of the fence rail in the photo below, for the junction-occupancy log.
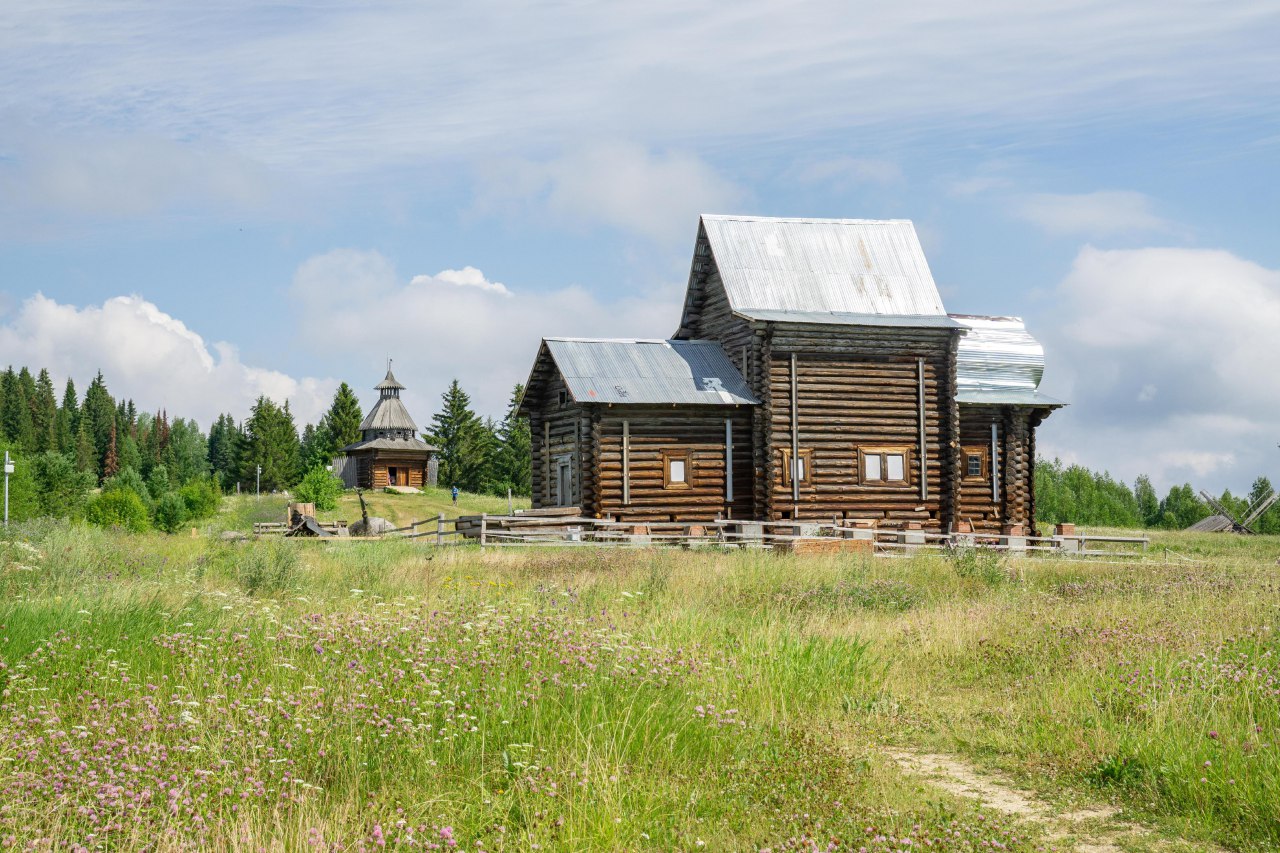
(566, 528)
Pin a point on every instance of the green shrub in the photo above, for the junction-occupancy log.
(61, 490)
(268, 568)
(118, 508)
(128, 479)
(171, 512)
(319, 487)
(202, 497)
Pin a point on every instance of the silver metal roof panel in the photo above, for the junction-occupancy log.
(999, 362)
(854, 266)
(1010, 397)
(648, 371)
(845, 318)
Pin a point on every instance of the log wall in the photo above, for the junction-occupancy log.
(857, 387)
(976, 504)
(557, 431)
(699, 430)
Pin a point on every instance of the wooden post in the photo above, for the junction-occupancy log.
(728, 460)
(484, 523)
(626, 463)
(795, 443)
(924, 450)
(995, 466)
(440, 529)
(546, 461)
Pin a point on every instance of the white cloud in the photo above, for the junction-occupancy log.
(1096, 214)
(150, 357)
(656, 194)
(465, 277)
(846, 172)
(1168, 358)
(436, 331)
(348, 87)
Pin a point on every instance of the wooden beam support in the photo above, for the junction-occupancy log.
(795, 442)
(626, 463)
(924, 448)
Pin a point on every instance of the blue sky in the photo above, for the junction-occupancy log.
(209, 204)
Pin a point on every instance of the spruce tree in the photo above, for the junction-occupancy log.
(100, 412)
(15, 411)
(111, 461)
(186, 453)
(270, 441)
(223, 450)
(463, 444)
(343, 419)
(86, 457)
(44, 415)
(512, 459)
(68, 419)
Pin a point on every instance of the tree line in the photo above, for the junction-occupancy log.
(1073, 493)
(158, 471)
(475, 454)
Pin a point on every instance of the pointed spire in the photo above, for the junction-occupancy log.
(389, 384)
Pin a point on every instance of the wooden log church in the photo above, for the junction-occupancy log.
(814, 375)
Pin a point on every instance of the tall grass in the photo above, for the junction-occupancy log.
(177, 692)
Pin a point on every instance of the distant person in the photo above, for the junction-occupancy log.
(455, 495)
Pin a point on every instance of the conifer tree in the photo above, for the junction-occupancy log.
(512, 460)
(111, 461)
(15, 411)
(100, 412)
(463, 444)
(223, 450)
(342, 421)
(44, 415)
(68, 419)
(86, 456)
(270, 441)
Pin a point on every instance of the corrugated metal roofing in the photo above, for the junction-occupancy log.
(850, 266)
(998, 356)
(636, 371)
(388, 413)
(1008, 397)
(844, 318)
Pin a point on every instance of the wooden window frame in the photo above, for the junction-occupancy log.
(882, 452)
(982, 452)
(669, 456)
(806, 457)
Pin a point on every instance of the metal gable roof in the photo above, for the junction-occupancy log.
(998, 361)
(648, 371)
(845, 266)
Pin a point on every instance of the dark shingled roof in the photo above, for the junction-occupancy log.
(389, 383)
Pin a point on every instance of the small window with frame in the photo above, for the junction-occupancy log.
(563, 397)
(975, 463)
(884, 466)
(676, 470)
(805, 466)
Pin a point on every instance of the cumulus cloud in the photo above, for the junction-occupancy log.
(482, 333)
(1096, 214)
(151, 357)
(623, 185)
(1168, 357)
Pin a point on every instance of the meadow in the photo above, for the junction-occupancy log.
(187, 692)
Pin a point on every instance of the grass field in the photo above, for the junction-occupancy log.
(184, 692)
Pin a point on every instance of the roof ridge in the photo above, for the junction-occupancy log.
(817, 220)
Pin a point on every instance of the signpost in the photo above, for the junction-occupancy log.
(257, 484)
(8, 469)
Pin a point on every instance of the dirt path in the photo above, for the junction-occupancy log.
(1088, 830)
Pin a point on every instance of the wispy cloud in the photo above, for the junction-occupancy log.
(623, 185)
(1096, 214)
